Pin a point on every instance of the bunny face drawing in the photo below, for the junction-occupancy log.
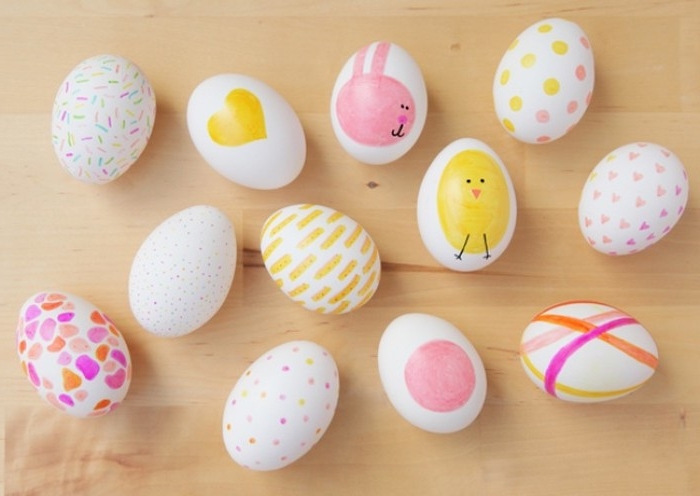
(372, 108)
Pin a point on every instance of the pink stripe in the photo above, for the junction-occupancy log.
(559, 332)
(359, 61)
(379, 59)
(559, 360)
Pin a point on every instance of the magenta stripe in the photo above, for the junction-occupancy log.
(558, 361)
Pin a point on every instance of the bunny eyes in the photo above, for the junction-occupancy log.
(405, 107)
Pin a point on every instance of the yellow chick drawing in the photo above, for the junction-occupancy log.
(473, 202)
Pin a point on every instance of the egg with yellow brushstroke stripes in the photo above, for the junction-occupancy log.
(466, 206)
(320, 258)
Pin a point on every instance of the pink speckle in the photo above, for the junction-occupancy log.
(285, 368)
(33, 376)
(66, 317)
(440, 376)
(275, 442)
(97, 334)
(283, 421)
(585, 42)
(249, 418)
(328, 385)
(32, 312)
(572, 106)
(47, 329)
(543, 139)
(588, 97)
(89, 367)
(580, 72)
(311, 381)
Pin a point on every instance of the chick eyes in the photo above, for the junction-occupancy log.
(482, 181)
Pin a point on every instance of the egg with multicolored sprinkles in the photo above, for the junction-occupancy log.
(102, 118)
(320, 258)
(587, 352)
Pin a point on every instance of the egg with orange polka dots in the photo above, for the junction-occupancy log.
(281, 406)
(544, 82)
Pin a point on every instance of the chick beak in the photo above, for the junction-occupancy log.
(476, 193)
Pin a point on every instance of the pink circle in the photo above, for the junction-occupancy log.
(580, 72)
(572, 106)
(543, 139)
(542, 116)
(584, 42)
(440, 376)
(588, 97)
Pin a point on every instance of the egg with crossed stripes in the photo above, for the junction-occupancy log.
(587, 352)
(320, 258)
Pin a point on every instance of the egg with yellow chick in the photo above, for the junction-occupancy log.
(466, 206)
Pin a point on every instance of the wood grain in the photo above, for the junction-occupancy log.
(59, 233)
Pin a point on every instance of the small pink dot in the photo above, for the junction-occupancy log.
(249, 418)
(238, 448)
(283, 421)
(311, 381)
(584, 42)
(283, 397)
(543, 139)
(285, 368)
(572, 106)
(276, 442)
(542, 116)
(588, 97)
(269, 357)
(328, 385)
(295, 349)
(580, 73)
(306, 418)
(283, 458)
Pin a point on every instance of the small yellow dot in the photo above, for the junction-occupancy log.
(560, 47)
(244, 393)
(513, 44)
(505, 76)
(544, 28)
(516, 103)
(509, 125)
(551, 86)
(528, 60)
(309, 361)
(302, 402)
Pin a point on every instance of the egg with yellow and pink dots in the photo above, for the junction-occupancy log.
(544, 82)
(281, 406)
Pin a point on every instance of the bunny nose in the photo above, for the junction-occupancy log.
(402, 119)
(476, 193)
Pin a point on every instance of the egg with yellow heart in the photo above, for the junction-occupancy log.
(246, 131)
(466, 206)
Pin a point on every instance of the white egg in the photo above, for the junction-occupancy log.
(632, 198)
(73, 354)
(379, 103)
(587, 352)
(183, 271)
(466, 206)
(432, 374)
(320, 258)
(544, 82)
(246, 131)
(102, 118)
(281, 406)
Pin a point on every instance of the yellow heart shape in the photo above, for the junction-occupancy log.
(240, 121)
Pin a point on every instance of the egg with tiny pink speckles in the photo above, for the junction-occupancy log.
(102, 118)
(281, 406)
(72, 354)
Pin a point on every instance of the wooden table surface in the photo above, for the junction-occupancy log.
(57, 233)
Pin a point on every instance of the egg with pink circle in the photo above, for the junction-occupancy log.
(431, 373)
(632, 198)
(379, 103)
(281, 406)
(73, 354)
(544, 82)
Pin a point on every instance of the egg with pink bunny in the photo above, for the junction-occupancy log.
(379, 103)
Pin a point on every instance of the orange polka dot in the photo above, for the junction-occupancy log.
(57, 344)
(71, 380)
(101, 352)
(102, 404)
(22, 346)
(97, 318)
(251, 440)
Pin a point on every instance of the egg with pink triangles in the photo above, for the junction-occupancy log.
(379, 103)
(633, 198)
